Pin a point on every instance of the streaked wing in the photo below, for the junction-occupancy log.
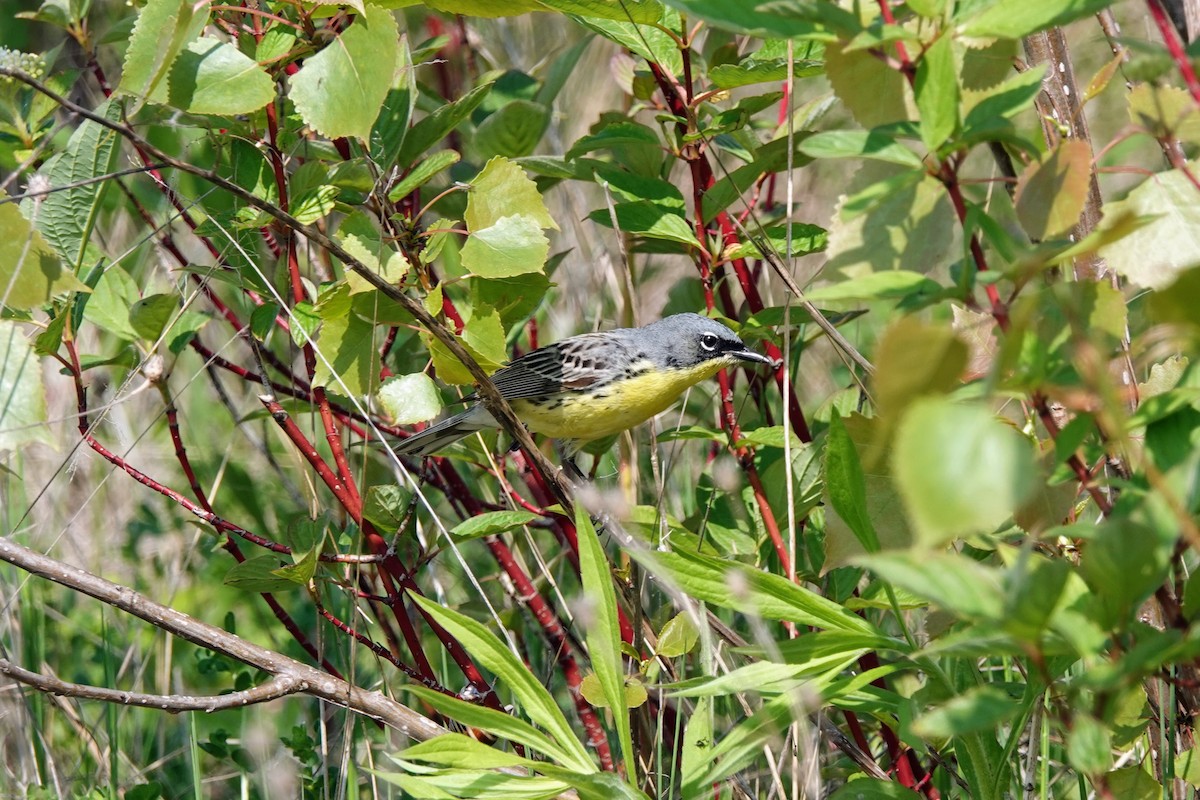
(570, 365)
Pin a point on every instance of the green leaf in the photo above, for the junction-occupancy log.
(491, 523)
(1133, 783)
(408, 399)
(677, 637)
(339, 91)
(914, 360)
(150, 315)
(1014, 19)
(458, 750)
(630, 186)
(874, 789)
(876, 286)
(936, 89)
(752, 70)
(1089, 745)
(1006, 100)
(423, 173)
(624, 10)
(31, 273)
(1154, 254)
(483, 337)
(647, 41)
(614, 134)
(766, 18)
(436, 126)
(257, 574)
(502, 189)
(367, 243)
(604, 630)
(877, 143)
(513, 245)
(22, 395)
(874, 93)
(761, 593)
(163, 29)
(110, 303)
(957, 584)
(512, 131)
(980, 708)
(845, 484)
(498, 723)
(1051, 193)
(348, 361)
(960, 470)
(1127, 560)
(213, 77)
(66, 218)
(643, 218)
(527, 688)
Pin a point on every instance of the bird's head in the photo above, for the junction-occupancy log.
(686, 341)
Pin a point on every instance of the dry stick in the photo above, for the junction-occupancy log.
(309, 680)
(492, 399)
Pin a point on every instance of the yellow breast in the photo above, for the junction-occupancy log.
(612, 408)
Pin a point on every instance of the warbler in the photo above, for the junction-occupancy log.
(599, 384)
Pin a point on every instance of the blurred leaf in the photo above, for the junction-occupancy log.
(22, 395)
(1133, 783)
(977, 709)
(876, 286)
(1033, 587)
(767, 18)
(915, 359)
(1089, 745)
(1126, 561)
(874, 93)
(959, 469)
(513, 245)
(491, 523)
(534, 698)
(936, 90)
(624, 10)
(212, 77)
(1051, 194)
(340, 90)
(953, 582)
(1166, 112)
(110, 303)
(1155, 254)
(873, 789)
(408, 399)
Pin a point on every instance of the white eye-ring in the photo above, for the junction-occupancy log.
(709, 342)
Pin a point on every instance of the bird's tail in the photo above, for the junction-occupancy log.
(448, 431)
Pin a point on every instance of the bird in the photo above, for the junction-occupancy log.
(595, 385)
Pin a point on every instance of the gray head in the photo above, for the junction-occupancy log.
(688, 340)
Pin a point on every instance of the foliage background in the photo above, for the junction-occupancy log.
(991, 534)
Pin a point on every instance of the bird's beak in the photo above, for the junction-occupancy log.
(749, 355)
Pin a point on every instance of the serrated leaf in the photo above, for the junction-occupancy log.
(409, 399)
(162, 30)
(513, 245)
(1153, 255)
(939, 448)
(1166, 112)
(214, 77)
(502, 189)
(491, 523)
(22, 395)
(66, 217)
(1051, 194)
(339, 91)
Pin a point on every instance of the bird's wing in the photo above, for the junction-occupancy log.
(568, 366)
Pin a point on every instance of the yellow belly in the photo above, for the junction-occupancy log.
(613, 408)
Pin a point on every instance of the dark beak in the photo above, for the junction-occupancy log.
(746, 354)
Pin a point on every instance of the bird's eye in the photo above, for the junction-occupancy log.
(709, 342)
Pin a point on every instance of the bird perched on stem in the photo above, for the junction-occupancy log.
(598, 384)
